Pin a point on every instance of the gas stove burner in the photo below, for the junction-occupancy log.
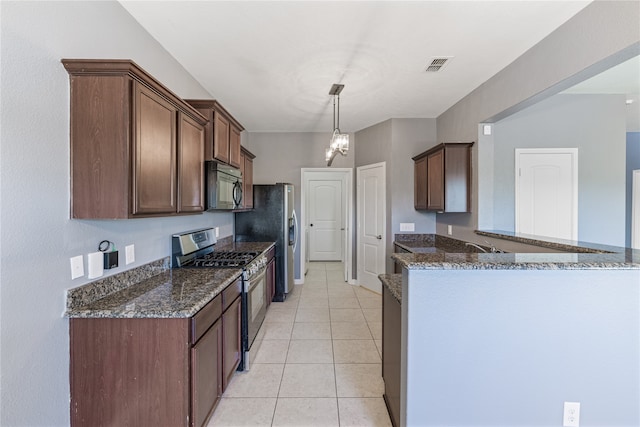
(225, 259)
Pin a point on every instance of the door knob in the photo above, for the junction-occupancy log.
(379, 237)
(311, 225)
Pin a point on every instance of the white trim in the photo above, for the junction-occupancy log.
(360, 259)
(635, 210)
(347, 175)
(574, 166)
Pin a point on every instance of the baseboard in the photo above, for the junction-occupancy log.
(353, 282)
(298, 281)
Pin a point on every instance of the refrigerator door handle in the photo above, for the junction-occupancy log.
(295, 231)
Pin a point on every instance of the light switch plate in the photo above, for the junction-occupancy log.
(407, 226)
(129, 254)
(77, 267)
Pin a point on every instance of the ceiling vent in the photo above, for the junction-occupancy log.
(437, 63)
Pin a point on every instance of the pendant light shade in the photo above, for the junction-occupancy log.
(339, 141)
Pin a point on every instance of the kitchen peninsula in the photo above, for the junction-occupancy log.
(506, 338)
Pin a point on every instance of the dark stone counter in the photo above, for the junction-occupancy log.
(155, 290)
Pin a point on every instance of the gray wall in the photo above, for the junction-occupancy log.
(37, 237)
(281, 155)
(396, 141)
(583, 46)
(633, 163)
(595, 124)
(507, 348)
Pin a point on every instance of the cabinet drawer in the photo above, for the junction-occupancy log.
(230, 294)
(205, 318)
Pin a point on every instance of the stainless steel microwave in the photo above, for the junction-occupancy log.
(224, 186)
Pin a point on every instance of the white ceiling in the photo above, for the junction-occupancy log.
(272, 63)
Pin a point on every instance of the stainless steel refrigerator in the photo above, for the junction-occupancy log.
(273, 219)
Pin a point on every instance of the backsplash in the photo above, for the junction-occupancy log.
(91, 292)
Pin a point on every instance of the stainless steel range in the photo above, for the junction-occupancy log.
(196, 249)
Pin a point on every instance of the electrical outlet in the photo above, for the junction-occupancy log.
(450, 229)
(77, 267)
(129, 254)
(571, 417)
(407, 226)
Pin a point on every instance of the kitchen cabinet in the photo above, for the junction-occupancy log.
(391, 353)
(442, 178)
(397, 267)
(247, 178)
(190, 166)
(420, 184)
(232, 334)
(154, 371)
(222, 133)
(135, 146)
(206, 378)
(271, 275)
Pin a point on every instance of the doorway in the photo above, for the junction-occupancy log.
(546, 198)
(326, 217)
(372, 222)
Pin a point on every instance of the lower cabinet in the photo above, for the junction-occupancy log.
(397, 268)
(206, 378)
(232, 343)
(154, 371)
(391, 353)
(271, 275)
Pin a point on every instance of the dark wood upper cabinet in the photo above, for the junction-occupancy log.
(246, 167)
(234, 146)
(222, 134)
(420, 184)
(154, 171)
(127, 135)
(442, 178)
(190, 165)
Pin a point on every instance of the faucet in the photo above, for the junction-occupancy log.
(494, 250)
(480, 248)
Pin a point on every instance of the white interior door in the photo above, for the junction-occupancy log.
(547, 192)
(345, 177)
(371, 225)
(635, 210)
(326, 220)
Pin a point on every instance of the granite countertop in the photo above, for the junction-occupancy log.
(393, 282)
(167, 293)
(516, 261)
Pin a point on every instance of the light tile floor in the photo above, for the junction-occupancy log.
(319, 363)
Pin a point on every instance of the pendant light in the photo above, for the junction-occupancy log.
(339, 141)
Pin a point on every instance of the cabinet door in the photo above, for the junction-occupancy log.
(247, 183)
(190, 166)
(220, 137)
(206, 378)
(154, 166)
(420, 184)
(435, 181)
(232, 350)
(391, 353)
(271, 280)
(234, 146)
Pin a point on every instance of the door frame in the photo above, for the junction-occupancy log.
(574, 177)
(359, 258)
(346, 174)
(635, 210)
